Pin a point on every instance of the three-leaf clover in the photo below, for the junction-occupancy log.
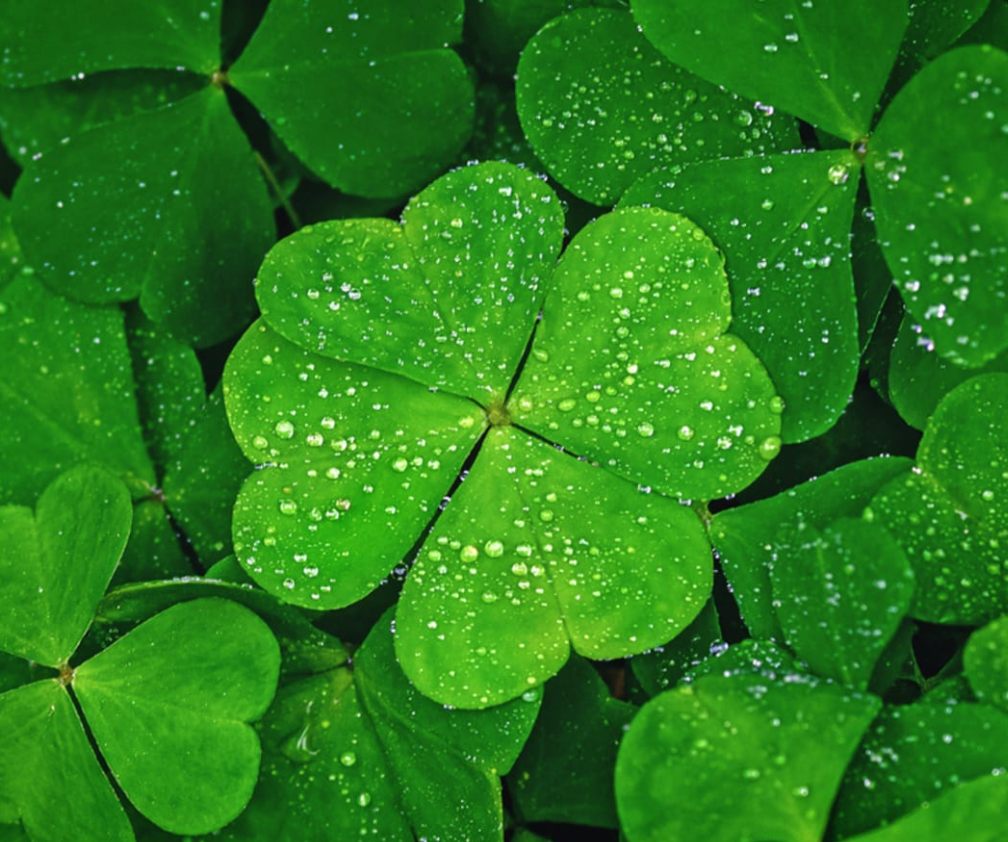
(167, 204)
(390, 357)
(168, 704)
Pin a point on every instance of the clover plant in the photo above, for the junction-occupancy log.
(503, 420)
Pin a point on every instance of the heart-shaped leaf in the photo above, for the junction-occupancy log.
(350, 750)
(911, 754)
(55, 563)
(738, 757)
(798, 56)
(185, 684)
(405, 102)
(948, 514)
(67, 396)
(842, 592)
(144, 209)
(985, 662)
(749, 538)
(933, 168)
(47, 760)
(602, 107)
(784, 230)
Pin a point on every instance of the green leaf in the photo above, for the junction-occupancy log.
(972, 812)
(56, 563)
(538, 553)
(949, 514)
(449, 298)
(202, 481)
(47, 761)
(186, 681)
(67, 394)
(305, 649)
(932, 168)
(842, 593)
(62, 38)
(345, 751)
(784, 231)
(35, 119)
(823, 62)
(762, 658)
(919, 378)
(169, 384)
(668, 398)
(564, 773)
(986, 663)
(10, 249)
(346, 489)
(912, 754)
(666, 665)
(747, 538)
(153, 550)
(146, 207)
(737, 758)
(404, 101)
(602, 107)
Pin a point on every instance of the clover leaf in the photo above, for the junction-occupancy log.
(183, 175)
(353, 454)
(911, 754)
(985, 664)
(602, 107)
(947, 513)
(784, 229)
(184, 683)
(739, 756)
(356, 748)
(10, 250)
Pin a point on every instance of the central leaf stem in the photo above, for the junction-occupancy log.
(497, 413)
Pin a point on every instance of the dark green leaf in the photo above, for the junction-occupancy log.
(913, 753)
(186, 682)
(933, 168)
(55, 563)
(738, 759)
(564, 773)
(825, 62)
(842, 593)
(60, 39)
(146, 206)
(986, 663)
(784, 231)
(666, 665)
(10, 249)
(602, 107)
(153, 550)
(747, 537)
(403, 102)
(67, 392)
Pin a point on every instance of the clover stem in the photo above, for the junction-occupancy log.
(860, 148)
(219, 79)
(282, 197)
(66, 674)
(497, 413)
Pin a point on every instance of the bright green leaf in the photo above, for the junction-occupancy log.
(146, 206)
(825, 62)
(602, 107)
(747, 537)
(56, 563)
(187, 682)
(913, 753)
(784, 229)
(564, 773)
(842, 593)
(933, 169)
(668, 398)
(60, 39)
(536, 554)
(49, 772)
(370, 100)
(985, 662)
(738, 759)
(67, 392)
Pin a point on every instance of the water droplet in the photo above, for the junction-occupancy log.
(469, 553)
(769, 447)
(646, 429)
(685, 432)
(494, 549)
(348, 758)
(284, 429)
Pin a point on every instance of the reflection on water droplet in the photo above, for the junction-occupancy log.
(770, 447)
(646, 429)
(284, 429)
